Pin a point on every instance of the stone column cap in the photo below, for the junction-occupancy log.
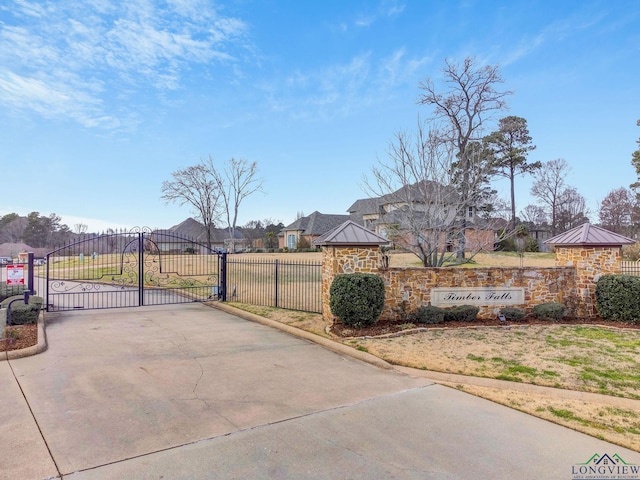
(350, 233)
(588, 235)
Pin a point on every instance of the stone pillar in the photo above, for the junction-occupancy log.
(345, 259)
(590, 263)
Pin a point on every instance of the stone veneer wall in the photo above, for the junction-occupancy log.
(572, 282)
(590, 263)
(413, 285)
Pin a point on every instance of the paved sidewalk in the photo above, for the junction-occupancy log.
(188, 392)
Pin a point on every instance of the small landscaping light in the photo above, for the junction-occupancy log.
(502, 318)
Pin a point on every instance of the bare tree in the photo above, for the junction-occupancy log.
(534, 214)
(198, 187)
(548, 186)
(418, 185)
(252, 231)
(572, 210)
(509, 146)
(618, 210)
(466, 102)
(237, 181)
(80, 228)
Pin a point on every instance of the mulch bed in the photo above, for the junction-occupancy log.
(387, 327)
(19, 336)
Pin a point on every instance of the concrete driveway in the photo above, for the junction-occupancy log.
(191, 392)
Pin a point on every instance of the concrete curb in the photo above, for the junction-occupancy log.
(312, 337)
(40, 347)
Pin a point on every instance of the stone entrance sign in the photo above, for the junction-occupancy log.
(481, 296)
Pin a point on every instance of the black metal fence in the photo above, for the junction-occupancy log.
(127, 269)
(630, 268)
(275, 283)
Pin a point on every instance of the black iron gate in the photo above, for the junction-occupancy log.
(135, 268)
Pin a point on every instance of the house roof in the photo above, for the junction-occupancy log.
(350, 233)
(364, 206)
(317, 223)
(188, 228)
(194, 230)
(587, 234)
(404, 194)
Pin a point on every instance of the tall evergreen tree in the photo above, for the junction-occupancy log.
(635, 161)
(509, 147)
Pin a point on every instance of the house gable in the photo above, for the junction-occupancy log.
(309, 227)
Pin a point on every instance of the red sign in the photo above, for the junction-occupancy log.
(15, 274)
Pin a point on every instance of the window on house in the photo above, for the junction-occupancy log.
(470, 212)
(291, 241)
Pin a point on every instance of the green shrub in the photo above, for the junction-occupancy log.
(22, 314)
(506, 245)
(618, 298)
(427, 314)
(549, 311)
(531, 244)
(357, 299)
(513, 314)
(461, 313)
(7, 291)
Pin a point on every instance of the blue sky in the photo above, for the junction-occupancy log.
(101, 100)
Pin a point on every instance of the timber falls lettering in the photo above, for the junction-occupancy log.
(490, 296)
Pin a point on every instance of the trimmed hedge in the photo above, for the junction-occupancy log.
(513, 314)
(461, 313)
(427, 314)
(549, 311)
(357, 299)
(618, 298)
(22, 314)
(7, 291)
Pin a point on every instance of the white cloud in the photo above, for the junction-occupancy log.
(555, 32)
(53, 99)
(385, 9)
(71, 58)
(30, 8)
(341, 88)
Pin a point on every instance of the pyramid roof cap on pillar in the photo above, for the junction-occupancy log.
(587, 235)
(350, 233)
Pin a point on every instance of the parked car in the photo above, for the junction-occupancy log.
(5, 260)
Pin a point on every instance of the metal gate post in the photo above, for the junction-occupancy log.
(223, 276)
(276, 285)
(30, 274)
(141, 269)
